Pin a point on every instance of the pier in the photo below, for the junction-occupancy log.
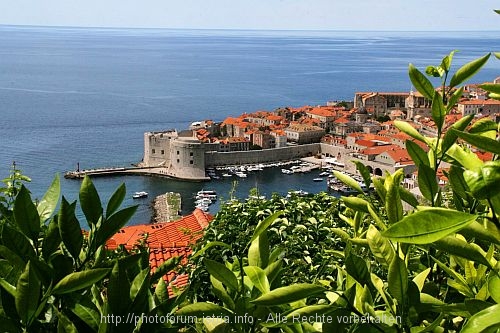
(166, 207)
(148, 171)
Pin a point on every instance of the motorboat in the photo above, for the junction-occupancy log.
(318, 179)
(140, 194)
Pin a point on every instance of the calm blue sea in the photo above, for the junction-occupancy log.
(71, 95)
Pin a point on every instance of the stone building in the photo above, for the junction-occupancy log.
(303, 133)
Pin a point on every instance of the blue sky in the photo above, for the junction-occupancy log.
(257, 14)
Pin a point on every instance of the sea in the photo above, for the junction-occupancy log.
(87, 95)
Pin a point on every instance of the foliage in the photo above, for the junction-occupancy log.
(54, 276)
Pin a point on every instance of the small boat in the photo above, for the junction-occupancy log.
(324, 174)
(319, 179)
(286, 171)
(139, 195)
(241, 174)
(226, 175)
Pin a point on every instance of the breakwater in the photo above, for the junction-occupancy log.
(167, 207)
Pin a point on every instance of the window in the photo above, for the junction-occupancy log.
(191, 154)
(178, 160)
(153, 151)
(177, 152)
(162, 152)
(191, 162)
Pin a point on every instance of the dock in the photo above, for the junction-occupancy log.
(105, 172)
(167, 207)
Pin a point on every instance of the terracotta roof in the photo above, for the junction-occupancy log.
(377, 150)
(400, 155)
(481, 102)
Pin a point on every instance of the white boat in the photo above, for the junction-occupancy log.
(227, 175)
(319, 179)
(141, 194)
(324, 174)
(241, 174)
(286, 171)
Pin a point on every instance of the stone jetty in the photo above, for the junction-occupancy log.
(166, 207)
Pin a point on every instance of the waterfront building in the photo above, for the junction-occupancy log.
(478, 106)
(303, 133)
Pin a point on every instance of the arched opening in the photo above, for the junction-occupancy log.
(378, 172)
(370, 169)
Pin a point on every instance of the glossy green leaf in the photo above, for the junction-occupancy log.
(28, 291)
(221, 273)
(450, 137)
(69, 228)
(484, 125)
(203, 309)
(12, 258)
(118, 302)
(48, 204)
(446, 62)
(494, 287)
(258, 277)
(487, 231)
(408, 197)
(459, 283)
(355, 203)
(393, 206)
(379, 188)
(497, 54)
(348, 180)
(114, 223)
(139, 293)
(87, 312)
(457, 181)
(438, 110)
(80, 280)
(64, 324)
(418, 155)
(221, 292)
(161, 292)
(289, 294)
(8, 287)
(427, 182)
(491, 87)
(398, 279)
(273, 270)
(420, 278)
(90, 201)
(364, 172)
(356, 267)
(484, 183)
(435, 71)
(264, 224)
(258, 252)
(208, 246)
(454, 98)
(479, 141)
(420, 82)
(461, 248)
(116, 200)
(468, 70)
(381, 248)
(52, 238)
(17, 243)
(487, 320)
(26, 215)
(467, 159)
(429, 225)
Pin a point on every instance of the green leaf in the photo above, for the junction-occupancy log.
(393, 206)
(486, 231)
(8, 287)
(457, 181)
(468, 70)
(467, 159)
(420, 82)
(494, 287)
(480, 141)
(80, 280)
(87, 311)
(272, 271)
(258, 277)
(458, 247)
(418, 155)
(258, 253)
(118, 301)
(208, 245)
(427, 182)
(203, 309)
(27, 294)
(289, 294)
(90, 201)
(114, 223)
(491, 87)
(221, 292)
(438, 110)
(64, 324)
(116, 199)
(420, 278)
(52, 238)
(408, 197)
(485, 127)
(139, 290)
(446, 62)
(496, 53)
(166, 267)
(263, 225)
(379, 188)
(454, 98)
(484, 183)
(459, 282)
(356, 204)
(434, 71)
(48, 204)
(221, 273)
(69, 228)
(428, 225)
(398, 279)
(26, 215)
(484, 321)
(17, 243)
(364, 172)
(356, 267)
(161, 292)
(405, 127)
(381, 248)
(349, 181)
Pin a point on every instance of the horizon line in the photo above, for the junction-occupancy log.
(225, 29)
